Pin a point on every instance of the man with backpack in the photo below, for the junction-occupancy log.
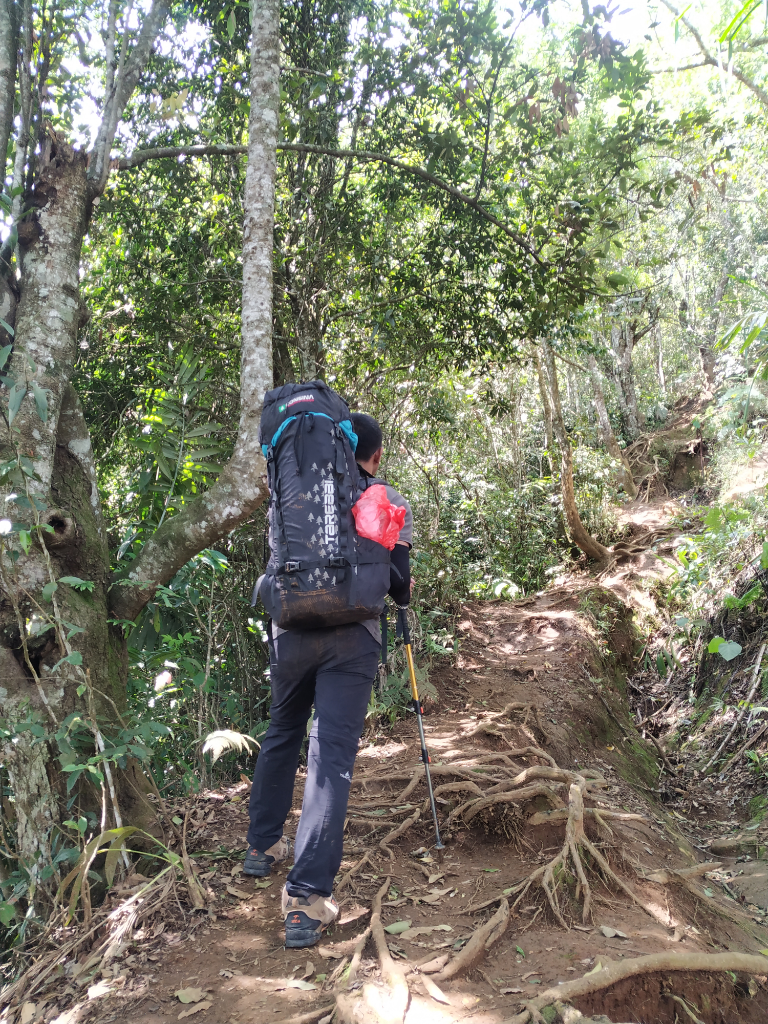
(324, 588)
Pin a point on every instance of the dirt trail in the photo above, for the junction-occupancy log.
(557, 663)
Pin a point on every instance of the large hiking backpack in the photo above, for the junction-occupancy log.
(320, 572)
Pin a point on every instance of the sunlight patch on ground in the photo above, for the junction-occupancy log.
(382, 751)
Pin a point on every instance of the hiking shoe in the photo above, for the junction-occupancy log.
(258, 864)
(306, 918)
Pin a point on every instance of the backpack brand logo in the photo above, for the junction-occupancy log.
(298, 398)
(331, 522)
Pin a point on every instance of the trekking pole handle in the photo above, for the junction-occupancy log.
(402, 614)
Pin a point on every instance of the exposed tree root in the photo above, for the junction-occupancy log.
(561, 814)
(374, 1003)
(482, 939)
(617, 971)
(311, 1017)
(453, 787)
(470, 809)
(540, 772)
(354, 870)
(666, 875)
(397, 832)
(569, 863)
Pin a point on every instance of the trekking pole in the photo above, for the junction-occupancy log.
(403, 616)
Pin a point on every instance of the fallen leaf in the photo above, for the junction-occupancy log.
(764, 952)
(262, 885)
(434, 878)
(611, 933)
(28, 1011)
(320, 977)
(236, 870)
(431, 900)
(509, 991)
(189, 995)
(309, 970)
(598, 967)
(491, 871)
(582, 927)
(397, 927)
(441, 892)
(240, 893)
(305, 986)
(432, 990)
(530, 974)
(194, 1009)
(396, 903)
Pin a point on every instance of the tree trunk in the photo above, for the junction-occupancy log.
(544, 392)
(242, 484)
(59, 653)
(606, 431)
(591, 547)
(660, 361)
(707, 355)
(623, 343)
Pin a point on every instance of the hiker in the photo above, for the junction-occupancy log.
(331, 667)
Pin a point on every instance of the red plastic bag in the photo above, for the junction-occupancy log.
(377, 518)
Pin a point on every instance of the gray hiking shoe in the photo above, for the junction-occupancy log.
(258, 864)
(306, 918)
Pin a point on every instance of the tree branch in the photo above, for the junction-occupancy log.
(739, 75)
(121, 91)
(141, 156)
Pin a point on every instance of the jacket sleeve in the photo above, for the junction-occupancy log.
(400, 574)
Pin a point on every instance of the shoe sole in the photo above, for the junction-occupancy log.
(258, 871)
(303, 940)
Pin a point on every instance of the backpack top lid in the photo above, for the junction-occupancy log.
(282, 405)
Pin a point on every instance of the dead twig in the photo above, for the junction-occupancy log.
(750, 742)
(662, 754)
(754, 683)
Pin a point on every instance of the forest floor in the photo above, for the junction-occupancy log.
(546, 674)
(538, 693)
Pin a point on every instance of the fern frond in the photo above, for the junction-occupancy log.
(224, 740)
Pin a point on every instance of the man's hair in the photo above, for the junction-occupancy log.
(369, 436)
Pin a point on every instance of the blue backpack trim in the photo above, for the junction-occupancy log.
(345, 425)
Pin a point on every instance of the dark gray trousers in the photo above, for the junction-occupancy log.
(332, 669)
